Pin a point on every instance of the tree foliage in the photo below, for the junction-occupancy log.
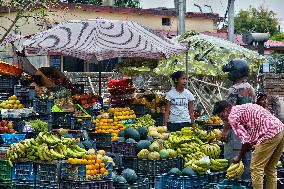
(278, 37)
(256, 20)
(127, 3)
(24, 9)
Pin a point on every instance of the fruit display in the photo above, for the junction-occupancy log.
(159, 132)
(45, 147)
(38, 125)
(144, 121)
(119, 87)
(155, 103)
(96, 164)
(87, 100)
(112, 122)
(9, 69)
(211, 150)
(11, 103)
(185, 172)
(235, 170)
(128, 176)
(6, 127)
(213, 120)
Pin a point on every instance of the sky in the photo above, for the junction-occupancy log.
(220, 6)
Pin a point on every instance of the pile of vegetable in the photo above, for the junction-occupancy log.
(38, 125)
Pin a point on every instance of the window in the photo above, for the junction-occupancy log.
(166, 21)
(72, 64)
(55, 61)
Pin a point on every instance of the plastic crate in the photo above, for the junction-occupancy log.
(43, 106)
(6, 186)
(234, 184)
(99, 184)
(84, 123)
(27, 103)
(62, 120)
(24, 171)
(102, 140)
(117, 159)
(77, 172)
(12, 138)
(48, 175)
(142, 183)
(126, 149)
(23, 185)
(216, 177)
(166, 181)
(130, 162)
(157, 167)
(5, 93)
(8, 82)
(24, 93)
(5, 172)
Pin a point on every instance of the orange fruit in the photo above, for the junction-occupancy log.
(88, 172)
(89, 162)
(93, 161)
(92, 172)
(94, 157)
(96, 171)
(70, 160)
(102, 170)
(97, 166)
(98, 161)
(106, 172)
(88, 167)
(102, 165)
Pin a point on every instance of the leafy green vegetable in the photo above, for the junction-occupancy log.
(38, 125)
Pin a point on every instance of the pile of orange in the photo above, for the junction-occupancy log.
(112, 122)
(94, 166)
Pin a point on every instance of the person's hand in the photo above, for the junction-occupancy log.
(224, 137)
(236, 159)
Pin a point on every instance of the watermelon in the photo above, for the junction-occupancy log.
(164, 154)
(143, 144)
(120, 179)
(143, 133)
(121, 133)
(121, 139)
(175, 171)
(187, 171)
(129, 175)
(130, 140)
(149, 138)
(131, 133)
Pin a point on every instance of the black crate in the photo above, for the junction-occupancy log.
(27, 103)
(6, 93)
(141, 183)
(23, 185)
(130, 162)
(83, 123)
(43, 106)
(62, 120)
(48, 175)
(24, 171)
(8, 82)
(98, 184)
(124, 148)
(117, 159)
(24, 93)
(102, 140)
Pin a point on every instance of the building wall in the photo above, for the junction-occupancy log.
(150, 21)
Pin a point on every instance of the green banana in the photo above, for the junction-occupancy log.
(56, 155)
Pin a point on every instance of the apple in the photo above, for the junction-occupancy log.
(2, 130)
(4, 123)
(11, 131)
(6, 129)
(10, 125)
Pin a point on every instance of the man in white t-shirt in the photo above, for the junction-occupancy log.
(179, 106)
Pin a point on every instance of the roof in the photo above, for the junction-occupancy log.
(223, 35)
(124, 10)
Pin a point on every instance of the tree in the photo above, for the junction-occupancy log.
(278, 37)
(24, 10)
(256, 20)
(127, 3)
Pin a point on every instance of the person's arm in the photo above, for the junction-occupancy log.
(191, 113)
(245, 148)
(167, 112)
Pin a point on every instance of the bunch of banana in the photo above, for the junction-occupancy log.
(187, 131)
(201, 134)
(188, 148)
(218, 164)
(179, 139)
(193, 157)
(235, 170)
(211, 136)
(211, 150)
(200, 167)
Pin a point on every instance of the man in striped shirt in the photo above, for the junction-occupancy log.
(256, 127)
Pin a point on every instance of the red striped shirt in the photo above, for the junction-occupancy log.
(254, 124)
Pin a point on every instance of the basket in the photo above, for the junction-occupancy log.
(126, 149)
(48, 175)
(43, 106)
(99, 184)
(24, 93)
(142, 183)
(62, 120)
(102, 140)
(24, 171)
(7, 82)
(12, 138)
(5, 172)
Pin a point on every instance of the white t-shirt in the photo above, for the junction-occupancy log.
(179, 105)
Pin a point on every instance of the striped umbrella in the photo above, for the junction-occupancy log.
(102, 39)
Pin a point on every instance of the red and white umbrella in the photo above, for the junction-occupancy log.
(102, 39)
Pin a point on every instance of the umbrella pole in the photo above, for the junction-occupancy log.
(186, 68)
(100, 77)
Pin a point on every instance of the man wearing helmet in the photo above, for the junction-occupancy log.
(240, 93)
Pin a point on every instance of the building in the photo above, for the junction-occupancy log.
(160, 19)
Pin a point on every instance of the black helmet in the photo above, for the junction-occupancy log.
(237, 69)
